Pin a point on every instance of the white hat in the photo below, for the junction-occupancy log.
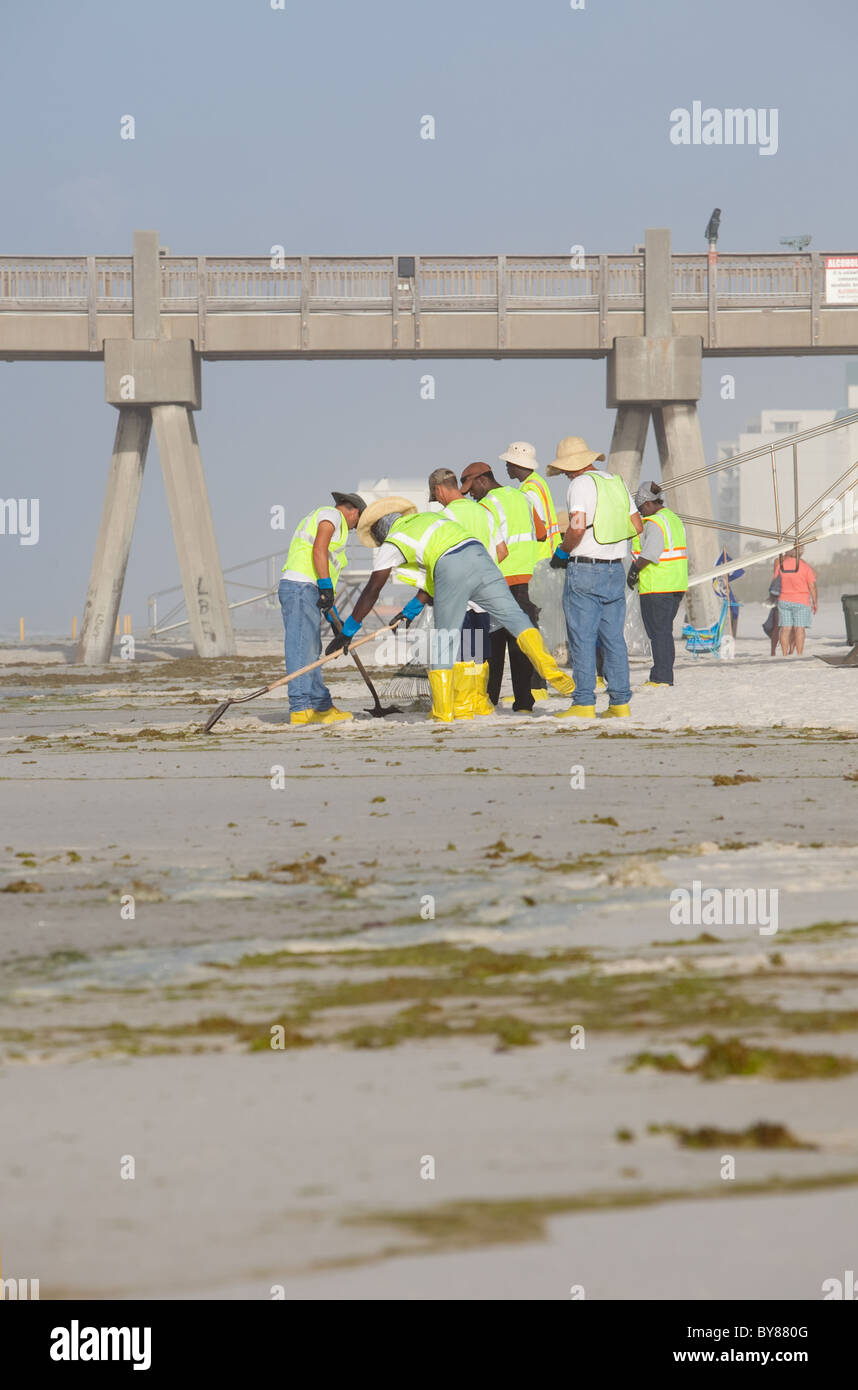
(520, 453)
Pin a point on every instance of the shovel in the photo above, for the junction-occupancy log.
(378, 710)
(254, 695)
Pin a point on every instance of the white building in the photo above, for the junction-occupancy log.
(745, 494)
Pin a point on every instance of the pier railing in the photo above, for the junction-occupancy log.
(440, 283)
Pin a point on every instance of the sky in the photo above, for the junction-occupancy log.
(300, 127)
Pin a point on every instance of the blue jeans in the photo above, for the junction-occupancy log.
(302, 621)
(594, 606)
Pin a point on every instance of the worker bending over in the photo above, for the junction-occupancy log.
(480, 523)
(520, 529)
(602, 517)
(308, 584)
(456, 569)
(660, 571)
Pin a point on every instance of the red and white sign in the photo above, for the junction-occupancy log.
(841, 279)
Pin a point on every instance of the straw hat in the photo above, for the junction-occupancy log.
(573, 454)
(374, 511)
(522, 454)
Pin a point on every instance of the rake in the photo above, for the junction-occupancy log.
(284, 680)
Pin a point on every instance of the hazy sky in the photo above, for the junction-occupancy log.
(300, 127)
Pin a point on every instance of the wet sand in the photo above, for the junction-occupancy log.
(308, 905)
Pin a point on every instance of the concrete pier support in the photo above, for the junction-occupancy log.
(193, 531)
(114, 536)
(155, 379)
(680, 448)
(628, 443)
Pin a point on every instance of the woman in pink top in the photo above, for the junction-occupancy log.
(797, 599)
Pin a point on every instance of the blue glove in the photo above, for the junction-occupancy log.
(332, 616)
(559, 559)
(326, 594)
(343, 637)
(412, 609)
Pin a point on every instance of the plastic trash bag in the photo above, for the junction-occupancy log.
(634, 632)
(546, 591)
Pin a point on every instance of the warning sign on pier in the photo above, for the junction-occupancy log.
(841, 279)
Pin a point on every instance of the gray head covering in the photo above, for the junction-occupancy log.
(648, 492)
(381, 527)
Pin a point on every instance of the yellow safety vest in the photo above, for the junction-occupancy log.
(509, 505)
(473, 518)
(611, 519)
(423, 539)
(670, 574)
(300, 556)
(538, 486)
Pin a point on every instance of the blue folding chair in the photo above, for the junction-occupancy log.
(700, 640)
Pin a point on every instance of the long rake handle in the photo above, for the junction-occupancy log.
(284, 680)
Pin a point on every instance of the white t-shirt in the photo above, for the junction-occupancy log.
(334, 517)
(388, 557)
(581, 497)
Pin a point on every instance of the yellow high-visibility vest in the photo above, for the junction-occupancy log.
(508, 505)
(300, 556)
(670, 574)
(538, 486)
(423, 538)
(476, 520)
(612, 521)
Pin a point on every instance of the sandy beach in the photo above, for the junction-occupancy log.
(460, 943)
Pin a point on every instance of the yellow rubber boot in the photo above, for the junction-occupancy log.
(463, 690)
(539, 694)
(482, 703)
(330, 716)
(577, 712)
(301, 716)
(659, 685)
(530, 642)
(616, 712)
(441, 686)
(600, 683)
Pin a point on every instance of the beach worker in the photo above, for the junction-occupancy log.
(659, 569)
(797, 599)
(521, 466)
(308, 586)
(455, 569)
(520, 529)
(602, 518)
(471, 686)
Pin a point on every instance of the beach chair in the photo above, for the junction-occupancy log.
(700, 640)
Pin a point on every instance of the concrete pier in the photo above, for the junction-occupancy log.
(113, 545)
(193, 530)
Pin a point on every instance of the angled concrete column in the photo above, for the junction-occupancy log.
(193, 531)
(114, 536)
(628, 443)
(680, 448)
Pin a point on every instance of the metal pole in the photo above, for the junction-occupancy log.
(759, 451)
(729, 526)
(837, 481)
(795, 486)
(775, 487)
